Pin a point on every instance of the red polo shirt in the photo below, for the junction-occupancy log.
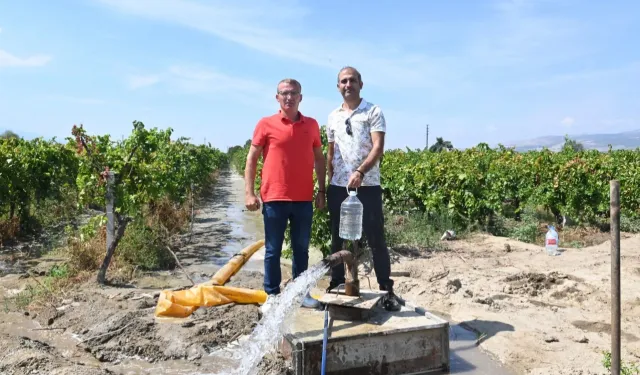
(288, 158)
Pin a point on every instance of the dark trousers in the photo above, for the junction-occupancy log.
(372, 226)
(276, 217)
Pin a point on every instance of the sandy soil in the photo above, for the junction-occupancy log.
(537, 314)
(540, 314)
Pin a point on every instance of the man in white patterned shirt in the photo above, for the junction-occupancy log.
(355, 132)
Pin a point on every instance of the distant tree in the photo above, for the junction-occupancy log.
(234, 149)
(572, 145)
(8, 134)
(441, 145)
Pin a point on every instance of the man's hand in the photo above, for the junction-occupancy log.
(355, 180)
(320, 201)
(251, 202)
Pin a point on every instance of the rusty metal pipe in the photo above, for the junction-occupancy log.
(345, 257)
(340, 257)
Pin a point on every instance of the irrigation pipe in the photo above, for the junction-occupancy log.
(324, 339)
(326, 333)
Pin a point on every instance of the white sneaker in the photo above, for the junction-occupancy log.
(266, 306)
(310, 302)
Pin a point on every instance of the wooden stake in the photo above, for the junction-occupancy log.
(615, 277)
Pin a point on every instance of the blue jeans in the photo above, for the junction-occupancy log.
(276, 216)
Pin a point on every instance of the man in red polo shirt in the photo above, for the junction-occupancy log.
(291, 148)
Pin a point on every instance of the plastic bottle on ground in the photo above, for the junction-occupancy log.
(551, 241)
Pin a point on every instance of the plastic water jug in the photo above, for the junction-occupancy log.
(551, 241)
(351, 217)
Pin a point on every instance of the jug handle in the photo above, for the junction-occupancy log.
(347, 187)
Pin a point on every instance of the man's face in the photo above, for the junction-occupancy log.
(288, 96)
(349, 85)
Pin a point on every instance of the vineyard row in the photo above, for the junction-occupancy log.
(471, 186)
(150, 166)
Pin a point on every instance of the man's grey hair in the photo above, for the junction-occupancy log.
(291, 81)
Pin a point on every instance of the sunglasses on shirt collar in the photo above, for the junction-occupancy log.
(348, 123)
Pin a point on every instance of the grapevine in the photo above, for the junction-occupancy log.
(473, 185)
(148, 166)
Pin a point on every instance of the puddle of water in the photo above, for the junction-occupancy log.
(464, 356)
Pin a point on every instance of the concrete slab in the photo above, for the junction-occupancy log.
(465, 357)
(403, 342)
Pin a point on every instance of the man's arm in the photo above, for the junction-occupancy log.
(378, 129)
(320, 168)
(376, 152)
(250, 170)
(330, 161)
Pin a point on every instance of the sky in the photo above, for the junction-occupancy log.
(476, 71)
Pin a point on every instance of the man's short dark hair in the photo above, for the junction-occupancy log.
(350, 68)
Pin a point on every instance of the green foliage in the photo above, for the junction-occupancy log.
(418, 230)
(321, 228)
(32, 171)
(145, 247)
(92, 227)
(150, 166)
(473, 185)
(237, 156)
(625, 368)
(630, 225)
(59, 271)
(526, 230)
(480, 186)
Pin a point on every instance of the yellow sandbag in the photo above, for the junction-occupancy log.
(234, 264)
(183, 303)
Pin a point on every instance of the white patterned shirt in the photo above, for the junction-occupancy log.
(350, 151)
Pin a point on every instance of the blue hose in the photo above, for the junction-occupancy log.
(324, 339)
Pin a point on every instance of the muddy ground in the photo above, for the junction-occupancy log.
(105, 331)
(534, 313)
(112, 330)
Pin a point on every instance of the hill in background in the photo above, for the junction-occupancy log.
(600, 142)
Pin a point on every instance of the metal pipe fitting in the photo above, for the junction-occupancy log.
(345, 257)
(340, 257)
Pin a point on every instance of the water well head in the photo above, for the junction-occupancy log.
(352, 284)
(340, 257)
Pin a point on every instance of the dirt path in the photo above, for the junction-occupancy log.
(539, 314)
(109, 330)
(221, 229)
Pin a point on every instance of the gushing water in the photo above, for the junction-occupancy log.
(274, 325)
